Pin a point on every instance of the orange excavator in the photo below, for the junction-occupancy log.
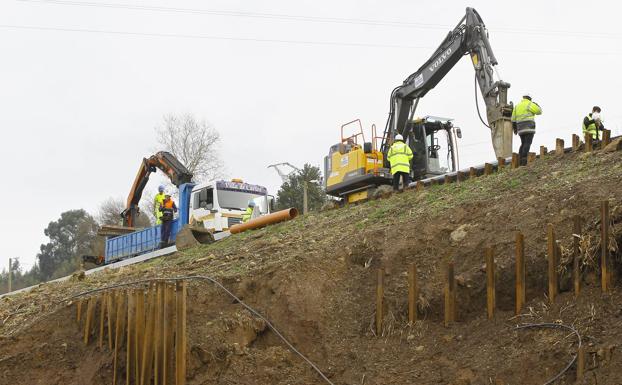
(169, 165)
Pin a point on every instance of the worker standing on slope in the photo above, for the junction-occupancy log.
(524, 124)
(157, 202)
(593, 124)
(399, 156)
(249, 211)
(168, 210)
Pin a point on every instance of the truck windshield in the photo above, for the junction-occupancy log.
(235, 200)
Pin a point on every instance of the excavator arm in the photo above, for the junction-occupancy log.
(167, 163)
(470, 36)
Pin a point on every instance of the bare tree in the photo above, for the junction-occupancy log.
(194, 142)
(109, 213)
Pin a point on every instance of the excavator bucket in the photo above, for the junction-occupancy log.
(190, 236)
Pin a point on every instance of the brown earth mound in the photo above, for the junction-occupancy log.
(314, 279)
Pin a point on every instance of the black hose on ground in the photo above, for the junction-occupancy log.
(555, 326)
(228, 292)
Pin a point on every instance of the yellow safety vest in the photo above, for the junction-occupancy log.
(399, 156)
(591, 128)
(247, 214)
(525, 110)
(157, 202)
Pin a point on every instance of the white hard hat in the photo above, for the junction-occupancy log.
(527, 95)
(399, 137)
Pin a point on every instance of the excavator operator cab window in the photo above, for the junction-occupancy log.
(204, 199)
(439, 155)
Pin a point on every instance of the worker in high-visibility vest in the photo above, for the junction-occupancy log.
(399, 157)
(593, 124)
(524, 124)
(157, 202)
(249, 212)
(168, 210)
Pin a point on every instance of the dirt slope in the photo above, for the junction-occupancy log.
(314, 278)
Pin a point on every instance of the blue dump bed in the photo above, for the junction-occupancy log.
(147, 240)
(136, 243)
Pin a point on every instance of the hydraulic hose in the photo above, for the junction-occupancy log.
(477, 104)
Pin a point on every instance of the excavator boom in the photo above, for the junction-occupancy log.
(470, 36)
(168, 164)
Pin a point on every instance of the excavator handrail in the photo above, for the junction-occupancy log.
(355, 136)
(374, 137)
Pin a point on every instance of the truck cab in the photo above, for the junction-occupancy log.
(219, 204)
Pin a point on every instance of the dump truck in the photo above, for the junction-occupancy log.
(204, 210)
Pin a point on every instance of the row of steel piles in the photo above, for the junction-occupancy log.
(143, 329)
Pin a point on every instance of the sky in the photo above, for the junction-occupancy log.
(83, 83)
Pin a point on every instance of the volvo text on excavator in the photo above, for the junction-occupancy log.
(470, 36)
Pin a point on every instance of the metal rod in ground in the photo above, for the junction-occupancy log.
(110, 316)
(90, 311)
(604, 245)
(500, 163)
(140, 333)
(491, 295)
(131, 339)
(379, 301)
(450, 294)
(412, 293)
(167, 336)
(515, 160)
(157, 351)
(581, 363)
(119, 332)
(147, 357)
(531, 157)
(520, 272)
(180, 335)
(588, 142)
(576, 255)
(606, 138)
(559, 147)
(576, 142)
(103, 303)
(78, 311)
(552, 262)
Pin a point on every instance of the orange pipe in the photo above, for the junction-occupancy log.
(279, 216)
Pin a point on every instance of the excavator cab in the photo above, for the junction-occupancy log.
(433, 142)
(354, 167)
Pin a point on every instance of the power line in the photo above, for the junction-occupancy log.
(278, 41)
(208, 37)
(315, 19)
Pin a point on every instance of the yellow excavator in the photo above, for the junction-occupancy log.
(353, 167)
